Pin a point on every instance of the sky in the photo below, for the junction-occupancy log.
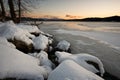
(69, 9)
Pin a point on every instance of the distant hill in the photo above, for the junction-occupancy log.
(105, 19)
(112, 18)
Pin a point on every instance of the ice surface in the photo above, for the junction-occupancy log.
(69, 70)
(81, 59)
(112, 39)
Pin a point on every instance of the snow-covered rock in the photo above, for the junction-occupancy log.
(82, 59)
(30, 28)
(69, 70)
(19, 37)
(63, 45)
(11, 31)
(40, 42)
(15, 64)
(43, 58)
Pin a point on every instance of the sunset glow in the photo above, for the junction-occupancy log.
(69, 9)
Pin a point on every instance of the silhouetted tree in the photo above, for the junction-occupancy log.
(3, 13)
(19, 6)
(12, 10)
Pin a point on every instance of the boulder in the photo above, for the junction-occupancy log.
(19, 37)
(70, 70)
(63, 46)
(40, 43)
(22, 46)
(82, 59)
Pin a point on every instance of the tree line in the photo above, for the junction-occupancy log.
(14, 9)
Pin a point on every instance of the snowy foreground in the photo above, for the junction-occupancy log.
(24, 55)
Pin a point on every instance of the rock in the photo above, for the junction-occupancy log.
(82, 59)
(63, 46)
(40, 43)
(43, 59)
(19, 37)
(22, 46)
(69, 70)
(30, 28)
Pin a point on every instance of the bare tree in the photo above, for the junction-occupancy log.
(12, 10)
(19, 5)
(3, 13)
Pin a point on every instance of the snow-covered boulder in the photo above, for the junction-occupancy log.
(18, 36)
(69, 70)
(15, 64)
(63, 45)
(82, 59)
(30, 28)
(40, 42)
(43, 58)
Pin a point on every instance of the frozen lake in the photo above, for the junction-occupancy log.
(101, 39)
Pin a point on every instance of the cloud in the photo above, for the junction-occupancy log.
(72, 17)
(50, 17)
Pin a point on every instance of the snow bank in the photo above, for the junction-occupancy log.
(69, 70)
(3, 41)
(63, 45)
(15, 64)
(82, 59)
(40, 42)
(10, 31)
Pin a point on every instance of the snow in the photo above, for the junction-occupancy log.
(63, 45)
(40, 42)
(15, 64)
(3, 41)
(66, 71)
(29, 28)
(50, 40)
(43, 58)
(10, 31)
(81, 59)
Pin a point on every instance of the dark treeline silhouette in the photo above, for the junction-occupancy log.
(96, 19)
(109, 19)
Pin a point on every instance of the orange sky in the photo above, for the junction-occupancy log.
(70, 9)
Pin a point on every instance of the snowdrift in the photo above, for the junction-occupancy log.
(15, 64)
